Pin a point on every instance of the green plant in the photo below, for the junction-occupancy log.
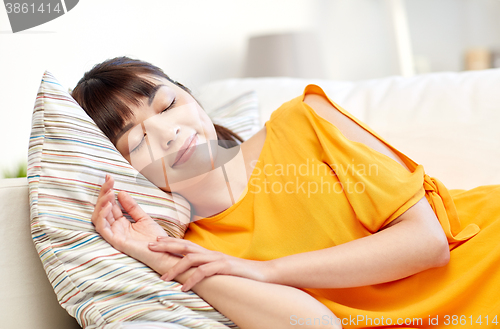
(20, 171)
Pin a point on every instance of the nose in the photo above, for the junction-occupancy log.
(167, 136)
(162, 136)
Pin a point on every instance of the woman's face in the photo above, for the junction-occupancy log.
(167, 139)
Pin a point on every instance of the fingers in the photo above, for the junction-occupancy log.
(106, 195)
(109, 203)
(128, 203)
(201, 273)
(191, 260)
(102, 200)
(178, 246)
(101, 224)
(195, 255)
(110, 218)
(108, 185)
(117, 212)
(100, 221)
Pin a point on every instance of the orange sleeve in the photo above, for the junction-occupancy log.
(379, 189)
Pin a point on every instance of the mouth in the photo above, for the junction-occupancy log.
(186, 150)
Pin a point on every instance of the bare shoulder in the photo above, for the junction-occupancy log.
(314, 98)
(326, 110)
(252, 147)
(319, 103)
(348, 127)
(256, 141)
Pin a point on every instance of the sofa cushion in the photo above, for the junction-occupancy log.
(381, 103)
(446, 121)
(98, 285)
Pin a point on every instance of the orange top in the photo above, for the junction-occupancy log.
(312, 188)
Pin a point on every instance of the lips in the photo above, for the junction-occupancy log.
(186, 150)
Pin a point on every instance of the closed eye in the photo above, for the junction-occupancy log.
(140, 144)
(170, 106)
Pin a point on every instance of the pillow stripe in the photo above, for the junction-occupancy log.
(68, 157)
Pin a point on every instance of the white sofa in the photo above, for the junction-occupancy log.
(26, 299)
(446, 121)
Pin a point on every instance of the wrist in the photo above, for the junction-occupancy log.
(161, 262)
(270, 271)
(182, 277)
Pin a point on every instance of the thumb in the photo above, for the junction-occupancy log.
(132, 207)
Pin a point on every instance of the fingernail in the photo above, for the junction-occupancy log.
(162, 238)
(107, 177)
(152, 244)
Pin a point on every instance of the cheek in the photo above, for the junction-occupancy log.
(140, 158)
(192, 115)
(208, 126)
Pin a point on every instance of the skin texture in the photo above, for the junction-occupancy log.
(412, 243)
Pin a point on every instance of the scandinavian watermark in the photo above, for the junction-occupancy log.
(432, 320)
(25, 14)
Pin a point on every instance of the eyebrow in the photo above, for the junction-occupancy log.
(129, 125)
(153, 94)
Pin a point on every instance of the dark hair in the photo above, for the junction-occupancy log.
(106, 91)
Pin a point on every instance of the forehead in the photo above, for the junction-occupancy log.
(162, 86)
(157, 80)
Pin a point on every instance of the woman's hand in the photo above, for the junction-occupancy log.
(127, 237)
(208, 262)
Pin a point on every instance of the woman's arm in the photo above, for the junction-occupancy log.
(248, 303)
(415, 243)
(254, 304)
(412, 243)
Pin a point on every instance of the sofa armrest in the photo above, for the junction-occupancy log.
(27, 299)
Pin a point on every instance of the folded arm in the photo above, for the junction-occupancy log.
(413, 242)
(248, 303)
(254, 304)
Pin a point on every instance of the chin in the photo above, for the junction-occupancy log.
(188, 184)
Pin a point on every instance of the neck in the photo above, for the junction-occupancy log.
(219, 188)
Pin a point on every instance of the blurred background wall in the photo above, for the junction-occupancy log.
(197, 41)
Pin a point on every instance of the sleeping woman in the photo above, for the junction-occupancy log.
(315, 220)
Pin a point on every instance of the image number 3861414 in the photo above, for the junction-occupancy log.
(25, 14)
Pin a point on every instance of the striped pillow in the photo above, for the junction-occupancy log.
(241, 115)
(68, 159)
